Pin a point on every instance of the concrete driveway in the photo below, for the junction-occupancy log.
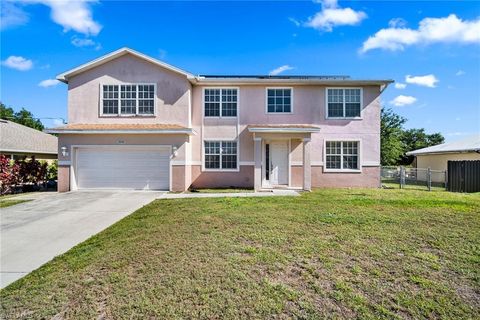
(34, 232)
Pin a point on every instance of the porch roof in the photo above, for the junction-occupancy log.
(283, 128)
(151, 128)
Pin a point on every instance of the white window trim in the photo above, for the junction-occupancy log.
(343, 118)
(237, 169)
(220, 114)
(360, 164)
(119, 114)
(291, 100)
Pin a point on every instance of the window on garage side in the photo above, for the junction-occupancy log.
(342, 155)
(221, 155)
(128, 99)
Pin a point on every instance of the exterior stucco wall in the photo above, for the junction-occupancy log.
(63, 183)
(440, 161)
(211, 179)
(368, 178)
(172, 97)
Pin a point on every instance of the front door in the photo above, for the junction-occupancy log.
(278, 163)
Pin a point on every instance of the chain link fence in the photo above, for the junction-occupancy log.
(413, 178)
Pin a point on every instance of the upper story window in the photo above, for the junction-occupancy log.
(342, 155)
(279, 100)
(344, 102)
(221, 102)
(128, 99)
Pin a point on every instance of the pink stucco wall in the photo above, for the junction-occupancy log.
(368, 178)
(172, 100)
(63, 184)
(208, 179)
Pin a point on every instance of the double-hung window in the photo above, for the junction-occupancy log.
(279, 100)
(344, 102)
(221, 155)
(221, 102)
(342, 155)
(128, 99)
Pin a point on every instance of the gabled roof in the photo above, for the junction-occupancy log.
(470, 144)
(115, 54)
(16, 138)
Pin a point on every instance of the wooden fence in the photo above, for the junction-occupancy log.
(463, 176)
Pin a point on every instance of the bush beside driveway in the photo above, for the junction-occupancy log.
(326, 254)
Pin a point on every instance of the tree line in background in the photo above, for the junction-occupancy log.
(397, 141)
(23, 117)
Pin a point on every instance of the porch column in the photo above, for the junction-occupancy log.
(307, 167)
(258, 163)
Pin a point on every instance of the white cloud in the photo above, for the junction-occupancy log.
(281, 69)
(77, 42)
(450, 29)
(460, 73)
(399, 85)
(331, 16)
(295, 22)
(11, 15)
(402, 100)
(18, 63)
(428, 80)
(72, 15)
(48, 83)
(397, 23)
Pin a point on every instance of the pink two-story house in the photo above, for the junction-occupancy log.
(138, 123)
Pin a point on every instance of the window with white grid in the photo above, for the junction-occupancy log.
(279, 100)
(342, 155)
(344, 102)
(220, 102)
(220, 155)
(128, 99)
(146, 98)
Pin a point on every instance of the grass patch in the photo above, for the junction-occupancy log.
(356, 253)
(7, 202)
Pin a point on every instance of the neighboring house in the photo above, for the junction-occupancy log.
(18, 141)
(437, 157)
(139, 123)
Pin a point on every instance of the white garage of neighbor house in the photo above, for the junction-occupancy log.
(437, 157)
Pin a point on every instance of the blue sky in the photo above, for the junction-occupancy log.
(433, 48)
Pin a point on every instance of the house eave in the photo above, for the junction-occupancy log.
(254, 81)
(283, 130)
(73, 131)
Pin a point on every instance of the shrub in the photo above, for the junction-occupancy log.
(9, 175)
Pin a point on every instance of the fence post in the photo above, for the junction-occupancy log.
(446, 179)
(429, 179)
(402, 177)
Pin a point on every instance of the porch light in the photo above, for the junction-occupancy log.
(64, 151)
(174, 150)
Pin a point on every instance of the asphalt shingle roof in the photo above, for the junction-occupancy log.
(15, 137)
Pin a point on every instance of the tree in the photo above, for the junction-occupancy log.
(391, 131)
(23, 117)
(414, 139)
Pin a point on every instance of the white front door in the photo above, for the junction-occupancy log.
(279, 163)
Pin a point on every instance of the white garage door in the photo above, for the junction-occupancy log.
(123, 167)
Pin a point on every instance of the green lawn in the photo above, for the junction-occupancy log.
(7, 202)
(327, 254)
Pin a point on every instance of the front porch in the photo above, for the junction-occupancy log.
(279, 164)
